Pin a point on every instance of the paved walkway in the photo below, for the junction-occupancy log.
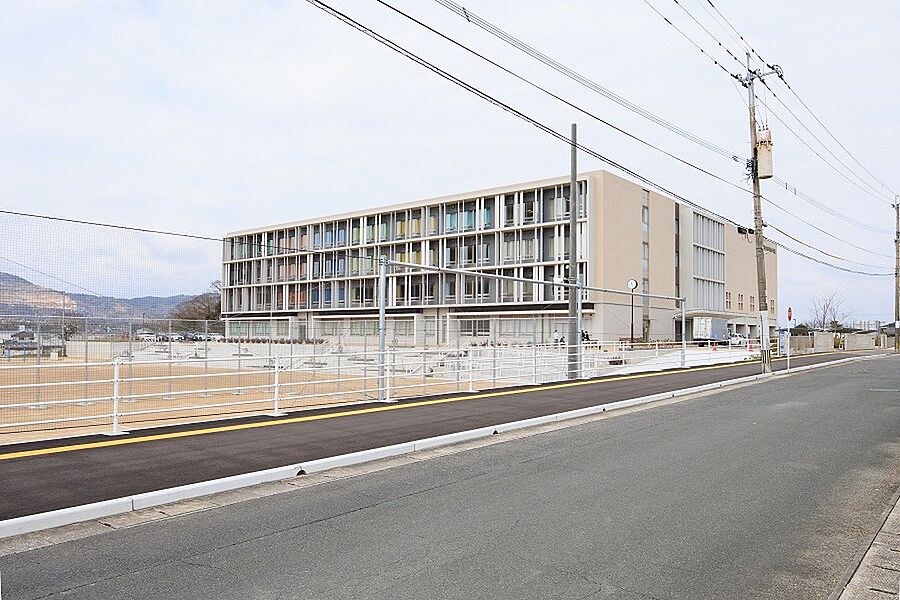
(878, 574)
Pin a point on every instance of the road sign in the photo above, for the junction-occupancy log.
(790, 314)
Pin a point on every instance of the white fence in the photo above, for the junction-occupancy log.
(61, 398)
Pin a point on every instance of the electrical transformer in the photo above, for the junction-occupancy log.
(764, 154)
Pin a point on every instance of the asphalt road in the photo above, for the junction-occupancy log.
(34, 484)
(762, 491)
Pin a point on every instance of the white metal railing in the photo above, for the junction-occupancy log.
(104, 396)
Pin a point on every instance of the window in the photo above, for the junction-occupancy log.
(469, 287)
(450, 288)
(740, 302)
(469, 215)
(403, 328)
(509, 247)
(487, 253)
(528, 216)
(727, 300)
(452, 254)
(475, 327)
(645, 219)
(752, 304)
(450, 221)
(507, 287)
(433, 222)
(527, 247)
(646, 255)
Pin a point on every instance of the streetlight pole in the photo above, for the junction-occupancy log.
(758, 223)
(632, 285)
(574, 316)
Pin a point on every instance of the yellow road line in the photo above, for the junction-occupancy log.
(361, 411)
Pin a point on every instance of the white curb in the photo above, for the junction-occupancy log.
(106, 508)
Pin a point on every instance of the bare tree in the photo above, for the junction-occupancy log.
(828, 309)
(203, 307)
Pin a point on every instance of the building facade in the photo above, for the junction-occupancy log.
(320, 275)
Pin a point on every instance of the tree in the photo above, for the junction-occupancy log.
(828, 309)
(202, 307)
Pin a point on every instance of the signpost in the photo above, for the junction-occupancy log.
(790, 314)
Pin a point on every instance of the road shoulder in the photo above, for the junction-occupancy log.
(877, 577)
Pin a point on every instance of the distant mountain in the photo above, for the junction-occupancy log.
(19, 296)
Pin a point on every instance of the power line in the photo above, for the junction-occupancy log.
(765, 104)
(828, 264)
(695, 44)
(506, 107)
(831, 211)
(600, 119)
(581, 79)
(828, 254)
(819, 229)
(797, 96)
(499, 103)
(139, 229)
(509, 39)
(831, 135)
(874, 191)
(91, 292)
(552, 94)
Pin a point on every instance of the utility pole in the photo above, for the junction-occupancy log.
(897, 276)
(574, 334)
(758, 224)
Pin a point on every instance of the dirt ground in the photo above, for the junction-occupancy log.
(78, 400)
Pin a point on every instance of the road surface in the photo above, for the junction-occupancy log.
(38, 477)
(759, 491)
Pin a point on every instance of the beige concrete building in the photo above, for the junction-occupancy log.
(319, 275)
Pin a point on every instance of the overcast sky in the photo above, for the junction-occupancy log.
(206, 117)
